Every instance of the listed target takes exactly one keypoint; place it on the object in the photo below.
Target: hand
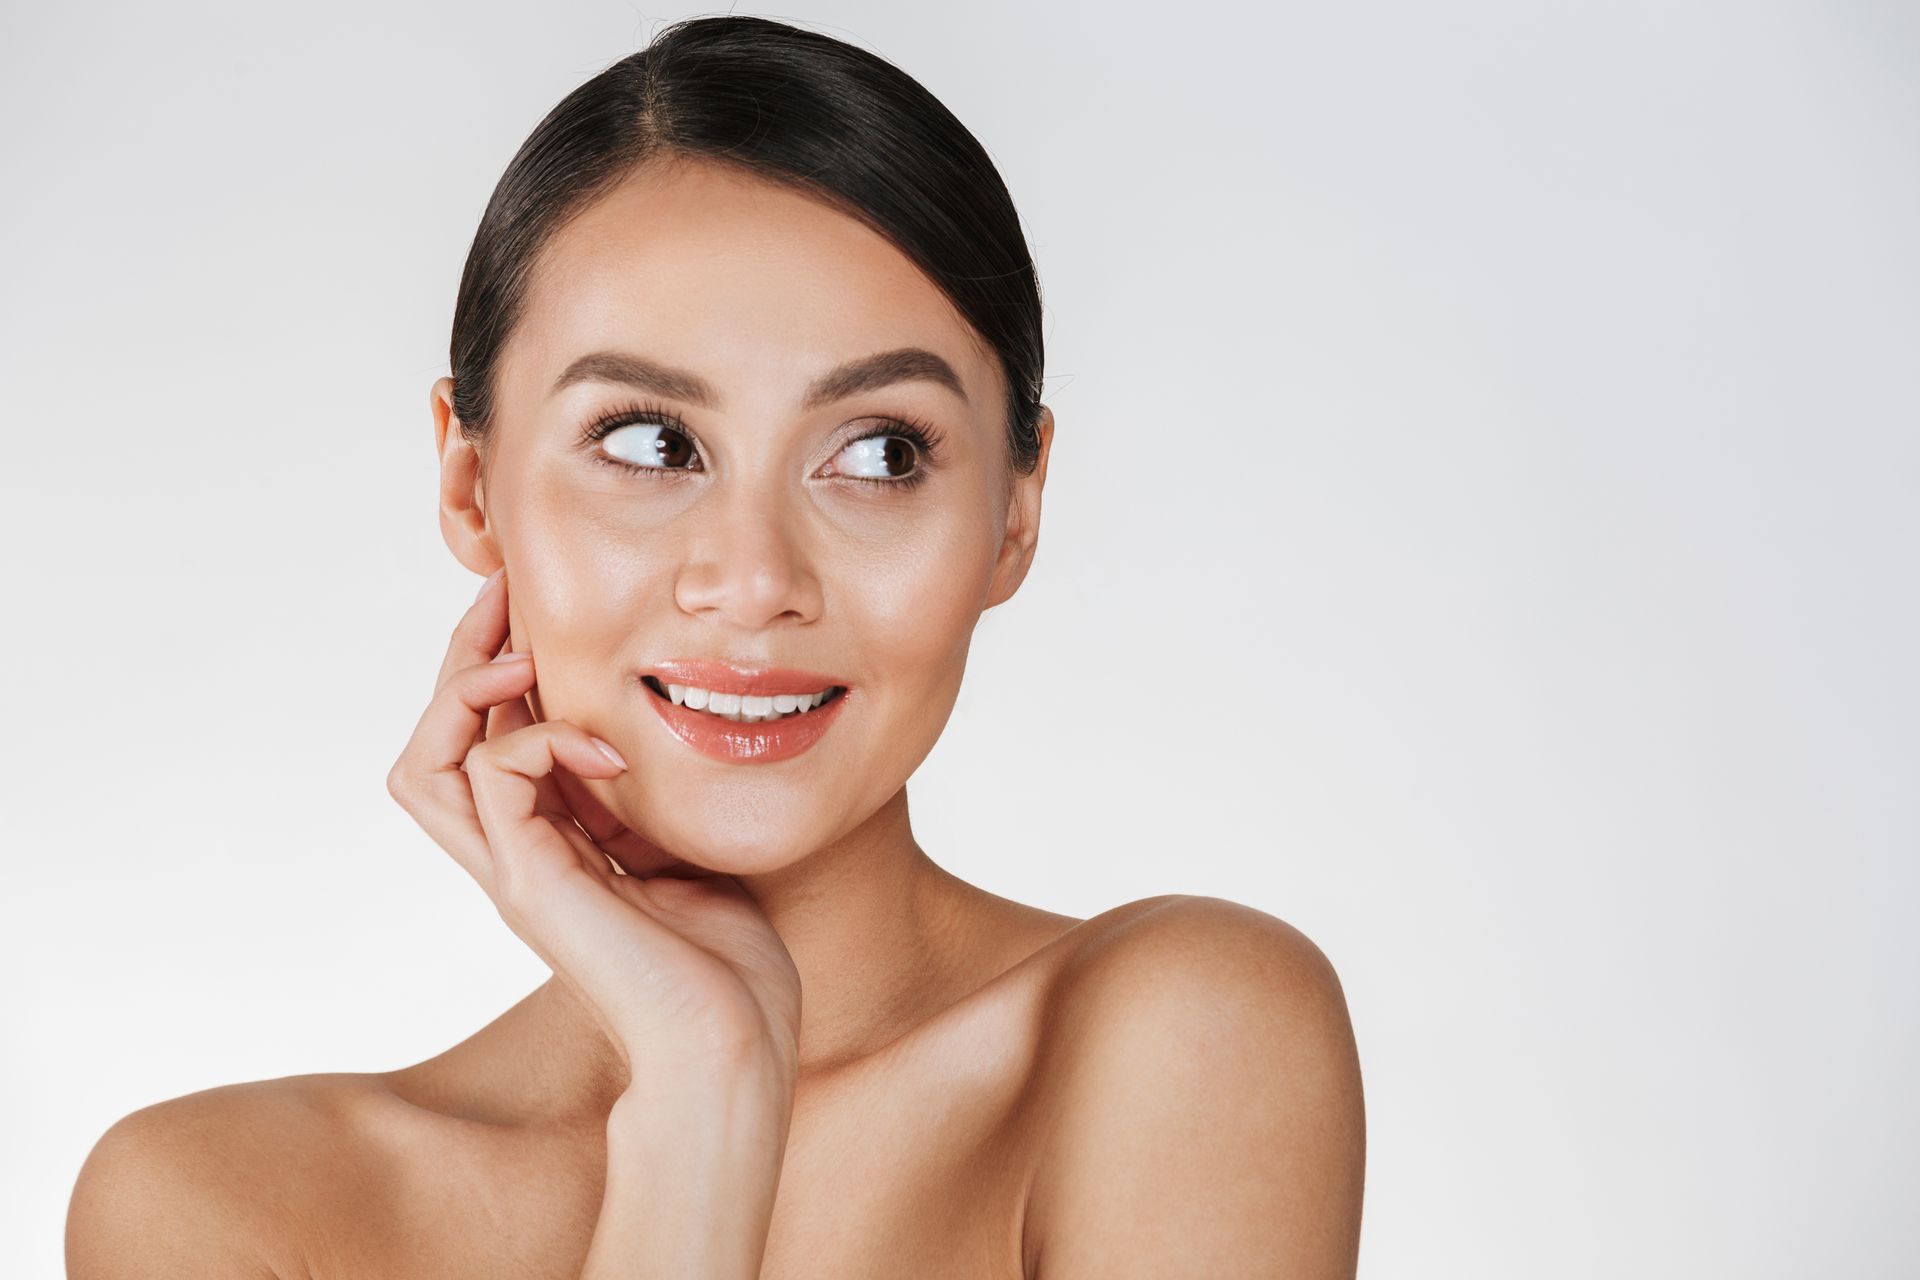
(684, 974)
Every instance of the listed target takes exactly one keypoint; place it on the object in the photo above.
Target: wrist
(691, 1177)
(730, 1116)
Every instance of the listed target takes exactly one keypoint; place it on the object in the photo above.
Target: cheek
(914, 602)
(576, 587)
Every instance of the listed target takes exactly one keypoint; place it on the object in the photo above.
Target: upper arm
(163, 1194)
(1205, 1105)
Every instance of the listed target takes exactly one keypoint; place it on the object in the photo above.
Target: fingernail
(488, 584)
(511, 655)
(608, 751)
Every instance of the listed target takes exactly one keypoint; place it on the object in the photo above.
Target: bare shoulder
(219, 1182)
(1244, 986)
(1201, 1100)
(1197, 934)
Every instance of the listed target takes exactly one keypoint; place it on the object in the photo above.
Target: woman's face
(773, 516)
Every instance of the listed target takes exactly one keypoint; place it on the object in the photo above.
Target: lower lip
(739, 743)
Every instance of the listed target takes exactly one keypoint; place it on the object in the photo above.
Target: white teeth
(745, 708)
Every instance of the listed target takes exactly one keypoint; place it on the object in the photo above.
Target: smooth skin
(793, 1046)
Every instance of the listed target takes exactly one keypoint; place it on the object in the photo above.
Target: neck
(879, 933)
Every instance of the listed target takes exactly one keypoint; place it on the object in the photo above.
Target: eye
(649, 444)
(879, 457)
(898, 458)
(640, 440)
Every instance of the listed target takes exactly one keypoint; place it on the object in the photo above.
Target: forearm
(691, 1177)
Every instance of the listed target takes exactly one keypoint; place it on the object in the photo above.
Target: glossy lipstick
(735, 742)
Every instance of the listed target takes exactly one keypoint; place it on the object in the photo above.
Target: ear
(1023, 521)
(463, 515)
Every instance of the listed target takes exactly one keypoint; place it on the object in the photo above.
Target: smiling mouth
(743, 708)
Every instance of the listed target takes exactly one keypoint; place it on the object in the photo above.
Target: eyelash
(924, 437)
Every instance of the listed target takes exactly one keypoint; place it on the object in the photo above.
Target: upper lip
(724, 677)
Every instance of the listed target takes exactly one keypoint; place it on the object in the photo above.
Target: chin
(736, 848)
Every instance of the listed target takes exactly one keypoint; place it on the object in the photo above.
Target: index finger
(481, 631)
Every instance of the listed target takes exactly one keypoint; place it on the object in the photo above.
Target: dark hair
(792, 106)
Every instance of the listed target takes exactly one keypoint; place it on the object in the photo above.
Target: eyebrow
(868, 373)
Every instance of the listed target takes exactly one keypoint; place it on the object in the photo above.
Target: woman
(744, 425)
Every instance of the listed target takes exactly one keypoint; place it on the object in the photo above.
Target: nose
(748, 565)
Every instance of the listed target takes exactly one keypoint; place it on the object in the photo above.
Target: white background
(1481, 531)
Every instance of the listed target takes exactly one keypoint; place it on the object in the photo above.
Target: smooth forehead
(756, 286)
